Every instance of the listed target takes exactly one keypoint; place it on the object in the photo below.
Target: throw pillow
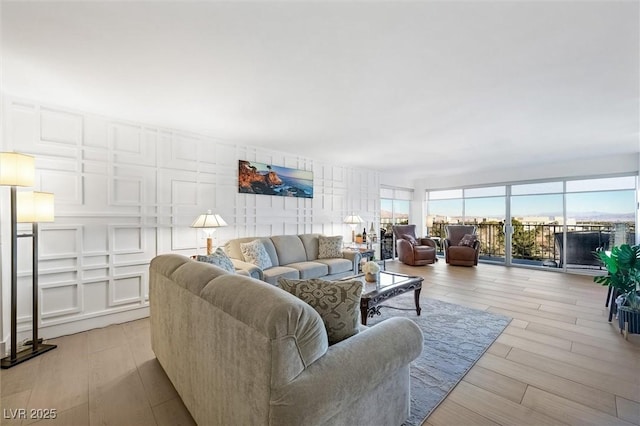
(410, 238)
(218, 258)
(468, 240)
(329, 247)
(254, 252)
(337, 302)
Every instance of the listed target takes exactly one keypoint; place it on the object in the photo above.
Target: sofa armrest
(250, 268)
(338, 378)
(355, 257)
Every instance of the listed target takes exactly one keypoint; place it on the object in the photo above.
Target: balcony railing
(543, 244)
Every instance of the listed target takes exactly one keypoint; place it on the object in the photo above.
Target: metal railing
(542, 244)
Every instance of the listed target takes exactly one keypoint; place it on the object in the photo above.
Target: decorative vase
(370, 278)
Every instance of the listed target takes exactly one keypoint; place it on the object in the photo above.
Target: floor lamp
(18, 170)
(208, 222)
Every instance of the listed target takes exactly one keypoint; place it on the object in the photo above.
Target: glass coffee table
(389, 284)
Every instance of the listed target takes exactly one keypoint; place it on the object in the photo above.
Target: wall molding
(126, 192)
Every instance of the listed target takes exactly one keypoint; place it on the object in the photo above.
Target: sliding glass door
(536, 222)
(559, 224)
(445, 208)
(395, 208)
(482, 207)
(600, 215)
(486, 209)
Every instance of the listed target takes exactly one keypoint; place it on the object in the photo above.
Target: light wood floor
(558, 362)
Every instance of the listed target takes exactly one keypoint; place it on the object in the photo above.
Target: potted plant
(371, 270)
(623, 276)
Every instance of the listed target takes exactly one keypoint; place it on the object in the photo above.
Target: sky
(606, 202)
(284, 171)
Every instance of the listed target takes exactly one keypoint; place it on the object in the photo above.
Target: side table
(369, 254)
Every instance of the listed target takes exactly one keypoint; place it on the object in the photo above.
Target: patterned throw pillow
(254, 252)
(410, 238)
(329, 247)
(218, 258)
(468, 240)
(337, 302)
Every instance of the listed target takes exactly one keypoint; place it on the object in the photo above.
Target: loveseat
(240, 351)
(294, 256)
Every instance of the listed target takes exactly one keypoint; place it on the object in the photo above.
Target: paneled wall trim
(125, 192)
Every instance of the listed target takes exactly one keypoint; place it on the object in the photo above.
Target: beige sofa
(295, 257)
(242, 352)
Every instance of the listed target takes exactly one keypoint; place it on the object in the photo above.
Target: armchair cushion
(461, 246)
(468, 240)
(337, 302)
(410, 238)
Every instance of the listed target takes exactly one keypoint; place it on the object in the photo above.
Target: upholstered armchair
(412, 250)
(461, 247)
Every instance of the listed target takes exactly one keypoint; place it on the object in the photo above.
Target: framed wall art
(267, 179)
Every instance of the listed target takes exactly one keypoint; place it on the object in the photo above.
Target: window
(552, 224)
(395, 209)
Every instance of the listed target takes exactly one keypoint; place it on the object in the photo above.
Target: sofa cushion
(329, 247)
(310, 243)
(289, 249)
(337, 266)
(254, 252)
(337, 302)
(310, 269)
(271, 275)
(218, 258)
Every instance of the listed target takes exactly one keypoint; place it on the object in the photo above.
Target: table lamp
(208, 222)
(353, 220)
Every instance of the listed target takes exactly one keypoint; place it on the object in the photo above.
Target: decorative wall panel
(60, 127)
(126, 191)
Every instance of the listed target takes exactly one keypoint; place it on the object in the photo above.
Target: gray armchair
(461, 254)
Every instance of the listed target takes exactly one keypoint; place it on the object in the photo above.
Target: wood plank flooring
(558, 362)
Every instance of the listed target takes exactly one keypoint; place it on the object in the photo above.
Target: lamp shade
(33, 206)
(208, 220)
(353, 219)
(17, 169)
(430, 221)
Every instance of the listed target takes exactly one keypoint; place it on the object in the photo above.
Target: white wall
(125, 192)
(602, 165)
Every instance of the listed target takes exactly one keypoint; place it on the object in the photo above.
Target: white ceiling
(426, 87)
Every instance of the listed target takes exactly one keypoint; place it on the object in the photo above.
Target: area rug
(455, 337)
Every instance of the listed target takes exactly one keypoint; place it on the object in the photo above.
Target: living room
(138, 113)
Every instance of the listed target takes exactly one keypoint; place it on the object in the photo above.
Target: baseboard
(77, 326)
